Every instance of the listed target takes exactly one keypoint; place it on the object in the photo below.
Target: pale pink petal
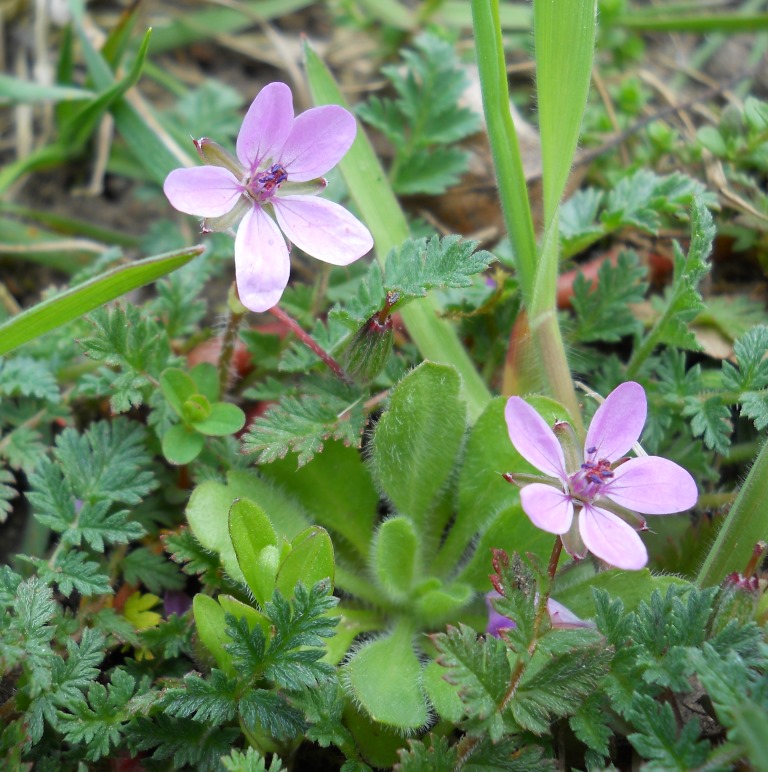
(617, 424)
(261, 261)
(266, 126)
(562, 616)
(547, 507)
(205, 191)
(611, 539)
(652, 485)
(533, 439)
(322, 228)
(318, 140)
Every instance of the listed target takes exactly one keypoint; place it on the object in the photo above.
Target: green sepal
(418, 439)
(396, 557)
(223, 418)
(255, 543)
(181, 444)
(309, 561)
(211, 628)
(385, 678)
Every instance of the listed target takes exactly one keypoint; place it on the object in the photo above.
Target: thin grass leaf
(73, 303)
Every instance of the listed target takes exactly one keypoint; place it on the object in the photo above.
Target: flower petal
(261, 261)
(205, 191)
(317, 142)
(611, 539)
(617, 424)
(533, 439)
(652, 485)
(266, 126)
(547, 507)
(562, 616)
(322, 228)
(496, 622)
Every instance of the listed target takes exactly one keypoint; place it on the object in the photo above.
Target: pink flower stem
(310, 343)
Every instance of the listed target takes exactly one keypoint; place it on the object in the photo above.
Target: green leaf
(250, 761)
(486, 503)
(602, 309)
(212, 701)
(135, 346)
(182, 444)
(443, 695)
(208, 513)
(437, 756)
(424, 117)
(239, 610)
(310, 561)
(251, 532)
(710, 419)
(177, 388)
(745, 525)
(349, 510)
(480, 670)
(396, 557)
(101, 721)
(223, 419)
(19, 91)
(211, 627)
(75, 302)
(660, 739)
(269, 712)
(565, 43)
(186, 742)
(384, 677)
(418, 439)
(143, 567)
(418, 266)
(303, 424)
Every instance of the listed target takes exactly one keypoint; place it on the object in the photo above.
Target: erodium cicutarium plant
(596, 500)
(272, 186)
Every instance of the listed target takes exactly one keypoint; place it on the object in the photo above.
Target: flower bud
(368, 351)
(213, 154)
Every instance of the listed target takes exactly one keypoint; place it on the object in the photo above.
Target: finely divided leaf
(424, 118)
(303, 424)
(481, 671)
(418, 266)
(602, 310)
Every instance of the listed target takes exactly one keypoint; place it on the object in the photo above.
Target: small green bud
(196, 408)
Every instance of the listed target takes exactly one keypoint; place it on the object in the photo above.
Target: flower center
(588, 481)
(264, 185)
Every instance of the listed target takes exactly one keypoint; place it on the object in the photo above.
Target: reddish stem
(310, 343)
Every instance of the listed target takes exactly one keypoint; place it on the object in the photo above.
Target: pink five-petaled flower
(592, 501)
(280, 159)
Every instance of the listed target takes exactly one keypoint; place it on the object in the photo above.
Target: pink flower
(592, 500)
(280, 159)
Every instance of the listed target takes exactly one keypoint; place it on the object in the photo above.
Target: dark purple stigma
(272, 178)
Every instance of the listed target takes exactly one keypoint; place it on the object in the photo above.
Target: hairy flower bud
(368, 351)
